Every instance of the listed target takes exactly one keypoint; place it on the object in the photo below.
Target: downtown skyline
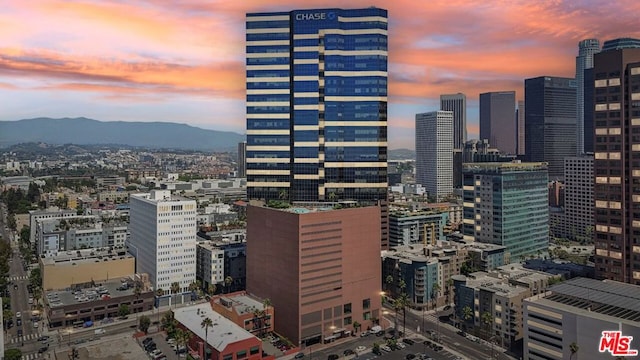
(184, 63)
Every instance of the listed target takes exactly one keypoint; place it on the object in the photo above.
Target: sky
(184, 61)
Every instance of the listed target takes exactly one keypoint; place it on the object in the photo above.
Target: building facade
(321, 266)
(456, 103)
(584, 61)
(242, 159)
(163, 238)
(578, 198)
(250, 313)
(218, 260)
(317, 105)
(521, 128)
(550, 121)
(577, 312)
(497, 120)
(416, 227)
(434, 152)
(507, 204)
(616, 168)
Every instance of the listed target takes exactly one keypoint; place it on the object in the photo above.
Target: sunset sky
(183, 61)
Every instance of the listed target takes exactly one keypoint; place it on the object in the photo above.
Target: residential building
(321, 265)
(617, 172)
(409, 265)
(163, 238)
(80, 232)
(507, 204)
(222, 340)
(487, 257)
(584, 61)
(564, 268)
(97, 301)
(48, 214)
(456, 103)
(250, 313)
(497, 120)
(416, 227)
(521, 128)
(556, 194)
(114, 196)
(579, 312)
(434, 152)
(550, 121)
(242, 159)
(317, 105)
(71, 268)
(217, 260)
(578, 198)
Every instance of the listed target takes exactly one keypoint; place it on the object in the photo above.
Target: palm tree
(211, 289)
(467, 313)
(206, 323)
(404, 301)
(573, 347)
(182, 338)
(175, 288)
(434, 294)
(487, 320)
(397, 306)
(227, 282)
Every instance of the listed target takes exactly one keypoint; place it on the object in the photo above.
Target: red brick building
(245, 311)
(320, 268)
(224, 339)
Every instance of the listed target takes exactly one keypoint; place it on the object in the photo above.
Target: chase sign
(316, 16)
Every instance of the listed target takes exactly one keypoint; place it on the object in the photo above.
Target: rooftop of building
(223, 331)
(241, 302)
(620, 43)
(605, 297)
(159, 196)
(476, 245)
(483, 281)
(91, 222)
(96, 291)
(516, 165)
(73, 257)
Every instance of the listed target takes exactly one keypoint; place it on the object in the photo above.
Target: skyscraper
(521, 128)
(242, 159)
(317, 105)
(163, 238)
(586, 49)
(616, 166)
(507, 204)
(550, 121)
(434, 152)
(497, 120)
(457, 103)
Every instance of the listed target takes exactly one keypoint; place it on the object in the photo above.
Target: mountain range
(83, 131)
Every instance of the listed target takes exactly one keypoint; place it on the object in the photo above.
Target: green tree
(6, 315)
(123, 310)
(227, 283)
(144, 323)
(12, 354)
(182, 337)
(175, 288)
(206, 324)
(356, 326)
(487, 320)
(404, 301)
(211, 289)
(467, 313)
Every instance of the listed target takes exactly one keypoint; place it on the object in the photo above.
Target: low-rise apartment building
(250, 313)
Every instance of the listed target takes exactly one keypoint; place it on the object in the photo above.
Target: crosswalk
(31, 356)
(20, 339)
(17, 278)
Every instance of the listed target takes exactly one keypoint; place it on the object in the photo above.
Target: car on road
(410, 357)
(299, 355)
(385, 348)
(43, 349)
(35, 324)
(361, 348)
(44, 338)
(333, 357)
(18, 322)
(380, 333)
(408, 341)
(365, 333)
(18, 315)
(19, 332)
(15, 286)
(348, 352)
(401, 345)
(376, 351)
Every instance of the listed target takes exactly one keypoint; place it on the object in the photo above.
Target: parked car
(385, 348)
(43, 349)
(299, 355)
(333, 357)
(401, 345)
(410, 357)
(348, 352)
(146, 341)
(376, 351)
(18, 322)
(408, 341)
(361, 348)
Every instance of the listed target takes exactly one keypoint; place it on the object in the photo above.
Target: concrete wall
(63, 275)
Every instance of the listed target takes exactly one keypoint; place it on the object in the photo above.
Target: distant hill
(402, 154)
(83, 131)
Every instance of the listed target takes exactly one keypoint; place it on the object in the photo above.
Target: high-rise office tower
(497, 120)
(586, 49)
(578, 197)
(163, 238)
(434, 152)
(616, 160)
(456, 103)
(550, 121)
(317, 105)
(588, 114)
(507, 204)
(521, 128)
(242, 159)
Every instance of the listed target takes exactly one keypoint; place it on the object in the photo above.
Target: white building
(434, 152)
(210, 264)
(163, 238)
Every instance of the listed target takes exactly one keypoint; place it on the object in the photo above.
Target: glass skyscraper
(317, 105)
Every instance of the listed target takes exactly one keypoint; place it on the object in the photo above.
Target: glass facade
(317, 105)
(507, 204)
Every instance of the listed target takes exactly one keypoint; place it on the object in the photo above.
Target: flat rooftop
(86, 255)
(59, 298)
(242, 303)
(223, 331)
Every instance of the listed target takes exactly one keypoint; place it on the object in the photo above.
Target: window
(254, 350)
(366, 304)
(347, 320)
(241, 354)
(366, 316)
(347, 308)
(228, 357)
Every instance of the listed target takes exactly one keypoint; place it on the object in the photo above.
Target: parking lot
(162, 345)
(416, 348)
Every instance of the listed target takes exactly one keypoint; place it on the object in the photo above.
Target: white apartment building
(163, 238)
(210, 264)
(49, 214)
(434, 152)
